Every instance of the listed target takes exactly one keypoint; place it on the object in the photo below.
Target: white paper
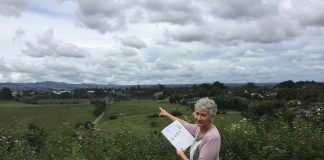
(178, 136)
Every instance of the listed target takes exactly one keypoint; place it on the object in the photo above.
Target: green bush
(176, 113)
(251, 140)
(153, 124)
(113, 116)
(246, 140)
(154, 115)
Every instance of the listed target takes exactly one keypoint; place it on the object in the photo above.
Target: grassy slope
(57, 117)
(135, 114)
(51, 117)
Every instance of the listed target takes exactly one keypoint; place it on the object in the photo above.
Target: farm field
(51, 117)
(135, 116)
(139, 116)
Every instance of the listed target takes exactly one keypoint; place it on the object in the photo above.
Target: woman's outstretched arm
(163, 112)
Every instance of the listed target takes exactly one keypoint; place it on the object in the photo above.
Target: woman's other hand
(181, 154)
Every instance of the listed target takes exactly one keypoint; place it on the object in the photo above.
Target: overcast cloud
(171, 41)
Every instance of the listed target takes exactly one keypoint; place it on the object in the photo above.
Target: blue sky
(171, 41)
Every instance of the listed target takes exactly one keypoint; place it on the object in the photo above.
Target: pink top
(210, 144)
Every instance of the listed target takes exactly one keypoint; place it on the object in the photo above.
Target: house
(269, 93)
(90, 92)
(294, 102)
(317, 106)
(256, 95)
(16, 93)
(60, 92)
(304, 113)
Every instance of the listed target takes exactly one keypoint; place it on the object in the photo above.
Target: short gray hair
(207, 104)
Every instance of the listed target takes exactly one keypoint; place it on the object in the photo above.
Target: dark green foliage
(309, 94)
(246, 141)
(267, 109)
(113, 116)
(221, 111)
(174, 98)
(176, 113)
(288, 116)
(242, 140)
(249, 86)
(36, 137)
(99, 107)
(153, 124)
(226, 102)
(5, 94)
(88, 125)
(154, 115)
(286, 94)
(320, 97)
(286, 84)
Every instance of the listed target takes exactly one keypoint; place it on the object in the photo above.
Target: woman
(207, 139)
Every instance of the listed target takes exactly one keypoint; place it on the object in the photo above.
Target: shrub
(113, 116)
(153, 124)
(154, 115)
(176, 113)
(36, 137)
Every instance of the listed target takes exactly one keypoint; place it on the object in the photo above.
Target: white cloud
(19, 33)
(47, 45)
(102, 15)
(172, 41)
(258, 53)
(13, 7)
(132, 41)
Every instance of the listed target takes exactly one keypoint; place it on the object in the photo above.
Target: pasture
(51, 117)
(138, 116)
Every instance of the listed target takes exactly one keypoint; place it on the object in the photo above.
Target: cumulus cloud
(308, 13)
(18, 34)
(132, 41)
(172, 41)
(3, 66)
(102, 15)
(233, 32)
(243, 9)
(190, 34)
(258, 53)
(47, 45)
(122, 52)
(175, 12)
(13, 7)
(166, 65)
(28, 67)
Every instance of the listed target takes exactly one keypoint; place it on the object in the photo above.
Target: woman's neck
(205, 129)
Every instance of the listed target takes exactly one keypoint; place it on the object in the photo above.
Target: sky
(166, 42)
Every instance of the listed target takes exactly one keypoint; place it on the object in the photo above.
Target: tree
(160, 87)
(6, 94)
(286, 93)
(100, 107)
(320, 97)
(286, 84)
(265, 109)
(174, 98)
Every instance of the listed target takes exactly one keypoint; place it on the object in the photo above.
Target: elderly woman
(207, 139)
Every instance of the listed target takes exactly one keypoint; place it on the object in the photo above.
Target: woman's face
(202, 118)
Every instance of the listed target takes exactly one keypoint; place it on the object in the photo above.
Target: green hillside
(50, 117)
(135, 115)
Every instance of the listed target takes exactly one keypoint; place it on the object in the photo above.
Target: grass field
(52, 117)
(131, 114)
(134, 115)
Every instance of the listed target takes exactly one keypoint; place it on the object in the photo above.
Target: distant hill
(49, 85)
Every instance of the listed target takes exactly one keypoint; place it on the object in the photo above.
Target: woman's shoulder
(213, 134)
